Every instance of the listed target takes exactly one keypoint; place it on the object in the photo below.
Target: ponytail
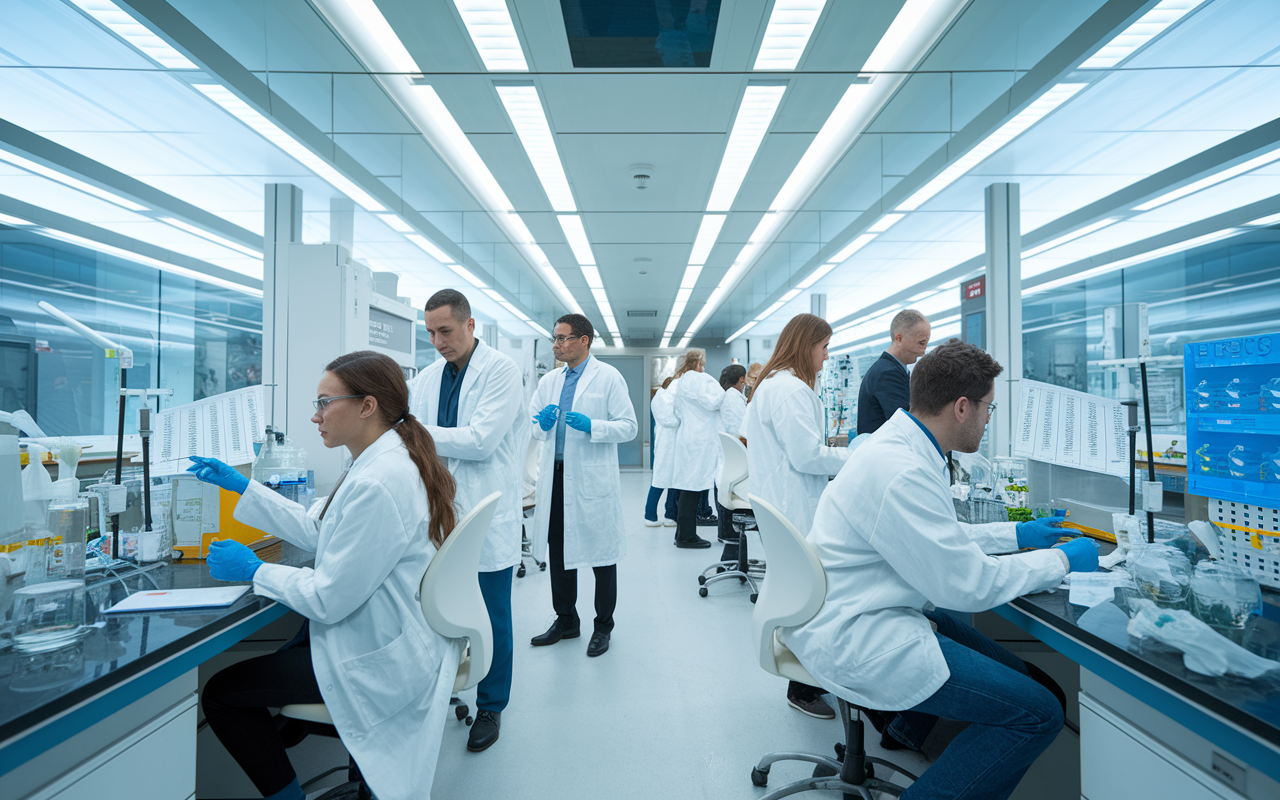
(367, 373)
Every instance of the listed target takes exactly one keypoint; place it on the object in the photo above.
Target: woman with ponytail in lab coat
(697, 442)
(383, 673)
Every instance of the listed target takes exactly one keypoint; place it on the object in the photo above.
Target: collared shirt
(451, 392)
(571, 377)
(895, 358)
(928, 433)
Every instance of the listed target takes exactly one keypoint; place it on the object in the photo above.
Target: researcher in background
(698, 398)
(788, 461)
(887, 385)
(662, 426)
(383, 673)
(733, 380)
(887, 535)
(584, 412)
(472, 403)
(753, 378)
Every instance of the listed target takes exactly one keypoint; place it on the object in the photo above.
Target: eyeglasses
(563, 339)
(991, 410)
(322, 403)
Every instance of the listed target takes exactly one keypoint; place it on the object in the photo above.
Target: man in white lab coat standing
(471, 402)
(583, 412)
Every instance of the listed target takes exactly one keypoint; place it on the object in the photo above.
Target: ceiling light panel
(817, 275)
(741, 331)
(5, 219)
(468, 276)
(67, 180)
(116, 20)
(790, 27)
(755, 114)
(691, 274)
(1210, 180)
(212, 237)
(524, 107)
(708, 232)
(430, 248)
(1149, 26)
(396, 223)
(489, 24)
(592, 274)
(885, 223)
(576, 235)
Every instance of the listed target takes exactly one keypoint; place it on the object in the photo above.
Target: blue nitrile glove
(211, 470)
(546, 418)
(1041, 533)
(1082, 553)
(579, 422)
(229, 560)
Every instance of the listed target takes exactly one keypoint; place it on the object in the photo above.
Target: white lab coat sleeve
(621, 425)
(495, 412)
(663, 408)
(538, 403)
(270, 512)
(705, 393)
(354, 564)
(994, 537)
(802, 440)
(929, 549)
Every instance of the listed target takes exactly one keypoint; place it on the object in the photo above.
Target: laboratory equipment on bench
(282, 468)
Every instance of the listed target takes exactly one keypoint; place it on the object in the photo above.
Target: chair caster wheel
(462, 712)
(543, 566)
(760, 777)
(741, 581)
(520, 571)
(702, 579)
(702, 592)
(754, 596)
(468, 720)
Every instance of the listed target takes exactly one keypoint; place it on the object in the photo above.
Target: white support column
(342, 222)
(282, 227)
(489, 332)
(818, 305)
(1004, 306)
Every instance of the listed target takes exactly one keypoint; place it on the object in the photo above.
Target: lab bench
(1149, 727)
(115, 714)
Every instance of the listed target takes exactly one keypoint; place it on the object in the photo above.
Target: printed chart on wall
(223, 427)
(1072, 429)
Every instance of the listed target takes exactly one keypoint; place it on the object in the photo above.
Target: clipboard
(170, 599)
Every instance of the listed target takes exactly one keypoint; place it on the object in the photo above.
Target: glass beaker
(47, 614)
(1224, 596)
(1163, 574)
(67, 521)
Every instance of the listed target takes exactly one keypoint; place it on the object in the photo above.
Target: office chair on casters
(452, 605)
(794, 590)
(731, 492)
(530, 489)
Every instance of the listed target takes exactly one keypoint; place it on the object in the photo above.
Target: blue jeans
(494, 690)
(1014, 719)
(651, 504)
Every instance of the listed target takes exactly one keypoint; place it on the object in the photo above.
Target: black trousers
(237, 703)
(687, 516)
(564, 582)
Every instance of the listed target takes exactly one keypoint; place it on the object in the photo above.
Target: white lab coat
(697, 442)
(887, 535)
(384, 674)
(485, 453)
(732, 410)
(663, 409)
(594, 533)
(788, 460)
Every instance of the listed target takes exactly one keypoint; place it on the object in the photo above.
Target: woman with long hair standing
(697, 442)
(662, 425)
(788, 460)
(383, 673)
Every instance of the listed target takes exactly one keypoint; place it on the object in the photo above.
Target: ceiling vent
(643, 313)
(642, 336)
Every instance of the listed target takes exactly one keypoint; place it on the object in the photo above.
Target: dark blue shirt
(450, 393)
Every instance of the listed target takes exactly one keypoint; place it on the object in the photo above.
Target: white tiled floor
(677, 707)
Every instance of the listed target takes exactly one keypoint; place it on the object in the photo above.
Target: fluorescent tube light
(114, 19)
(1263, 222)
(576, 235)
(509, 306)
(539, 329)
(396, 223)
(859, 242)
(17, 222)
(683, 295)
(600, 297)
(138, 258)
(1149, 26)
(1210, 180)
(468, 276)
(67, 180)
(759, 103)
(885, 223)
(790, 295)
(592, 274)
(769, 311)
(666, 342)
(685, 341)
(493, 34)
(791, 24)
(1072, 236)
(425, 245)
(276, 135)
(817, 275)
(1038, 110)
(708, 232)
(495, 295)
(691, 274)
(741, 331)
(524, 107)
(213, 237)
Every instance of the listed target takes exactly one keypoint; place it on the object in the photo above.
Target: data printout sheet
(224, 427)
(1072, 429)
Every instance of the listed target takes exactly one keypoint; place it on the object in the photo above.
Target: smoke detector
(641, 174)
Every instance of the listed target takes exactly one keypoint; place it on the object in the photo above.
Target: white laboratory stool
(529, 488)
(452, 605)
(794, 590)
(731, 492)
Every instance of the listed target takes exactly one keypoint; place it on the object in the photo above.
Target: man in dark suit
(887, 387)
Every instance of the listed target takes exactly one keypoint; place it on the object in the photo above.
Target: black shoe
(815, 707)
(558, 630)
(708, 520)
(484, 731)
(599, 643)
(696, 543)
